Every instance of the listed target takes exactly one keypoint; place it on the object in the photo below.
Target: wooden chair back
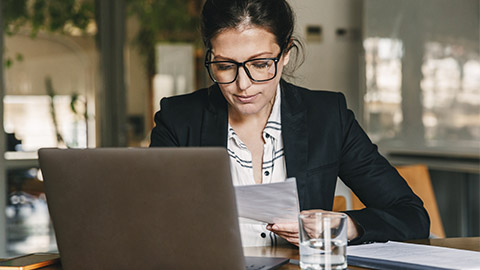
(339, 204)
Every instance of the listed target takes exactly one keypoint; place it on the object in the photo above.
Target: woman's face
(246, 97)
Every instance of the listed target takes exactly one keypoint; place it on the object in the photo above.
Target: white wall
(335, 62)
(70, 62)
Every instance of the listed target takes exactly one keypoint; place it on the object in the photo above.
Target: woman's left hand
(289, 231)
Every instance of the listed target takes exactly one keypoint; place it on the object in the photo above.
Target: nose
(243, 81)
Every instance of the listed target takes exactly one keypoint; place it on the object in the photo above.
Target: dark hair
(276, 16)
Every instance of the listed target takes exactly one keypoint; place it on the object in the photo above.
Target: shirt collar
(233, 136)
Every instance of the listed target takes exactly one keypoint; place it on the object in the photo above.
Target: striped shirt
(274, 169)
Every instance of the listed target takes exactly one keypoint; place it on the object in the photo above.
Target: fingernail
(275, 227)
(269, 227)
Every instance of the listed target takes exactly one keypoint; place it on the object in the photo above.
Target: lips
(246, 99)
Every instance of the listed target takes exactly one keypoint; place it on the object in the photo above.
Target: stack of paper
(396, 255)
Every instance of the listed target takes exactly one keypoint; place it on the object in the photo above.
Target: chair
(339, 204)
(418, 179)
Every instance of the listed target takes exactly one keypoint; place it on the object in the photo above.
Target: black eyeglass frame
(207, 64)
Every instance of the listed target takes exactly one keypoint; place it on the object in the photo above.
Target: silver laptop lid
(148, 208)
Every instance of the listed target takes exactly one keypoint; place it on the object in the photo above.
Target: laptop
(145, 208)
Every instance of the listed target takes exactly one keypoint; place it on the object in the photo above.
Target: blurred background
(91, 73)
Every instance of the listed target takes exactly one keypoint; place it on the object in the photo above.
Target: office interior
(410, 71)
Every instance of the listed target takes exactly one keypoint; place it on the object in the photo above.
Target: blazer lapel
(215, 119)
(295, 135)
(294, 129)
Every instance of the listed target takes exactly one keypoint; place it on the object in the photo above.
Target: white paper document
(269, 203)
(396, 255)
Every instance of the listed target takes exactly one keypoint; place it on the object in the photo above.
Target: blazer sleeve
(163, 134)
(393, 211)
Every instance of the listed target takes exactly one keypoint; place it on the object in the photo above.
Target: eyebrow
(222, 58)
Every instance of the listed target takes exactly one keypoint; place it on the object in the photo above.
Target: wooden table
(467, 243)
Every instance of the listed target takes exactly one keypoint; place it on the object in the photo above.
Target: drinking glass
(323, 240)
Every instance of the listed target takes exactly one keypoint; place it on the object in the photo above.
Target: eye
(224, 66)
(261, 64)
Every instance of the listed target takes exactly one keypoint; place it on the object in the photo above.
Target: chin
(247, 109)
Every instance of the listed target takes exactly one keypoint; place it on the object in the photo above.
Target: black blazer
(322, 140)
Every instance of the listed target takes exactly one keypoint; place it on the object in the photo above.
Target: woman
(274, 130)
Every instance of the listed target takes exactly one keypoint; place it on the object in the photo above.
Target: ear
(286, 57)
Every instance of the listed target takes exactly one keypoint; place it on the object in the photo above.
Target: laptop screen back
(150, 208)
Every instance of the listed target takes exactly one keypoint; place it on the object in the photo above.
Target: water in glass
(316, 254)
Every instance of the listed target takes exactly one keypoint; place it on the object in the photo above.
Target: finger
(313, 211)
(286, 234)
(293, 240)
(310, 221)
(283, 227)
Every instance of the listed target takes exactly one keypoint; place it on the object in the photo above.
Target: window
(423, 76)
(451, 93)
(383, 99)
(48, 100)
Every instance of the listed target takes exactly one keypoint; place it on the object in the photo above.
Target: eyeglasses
(258, 69)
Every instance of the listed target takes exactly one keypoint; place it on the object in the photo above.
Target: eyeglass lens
(256, 69)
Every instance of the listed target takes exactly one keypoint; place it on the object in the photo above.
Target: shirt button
(263, 235)
(267, 173)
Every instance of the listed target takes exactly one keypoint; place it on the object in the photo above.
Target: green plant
(53, 114)
(159, 21)
(55, 16)
(59, 16)
(164, 21)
